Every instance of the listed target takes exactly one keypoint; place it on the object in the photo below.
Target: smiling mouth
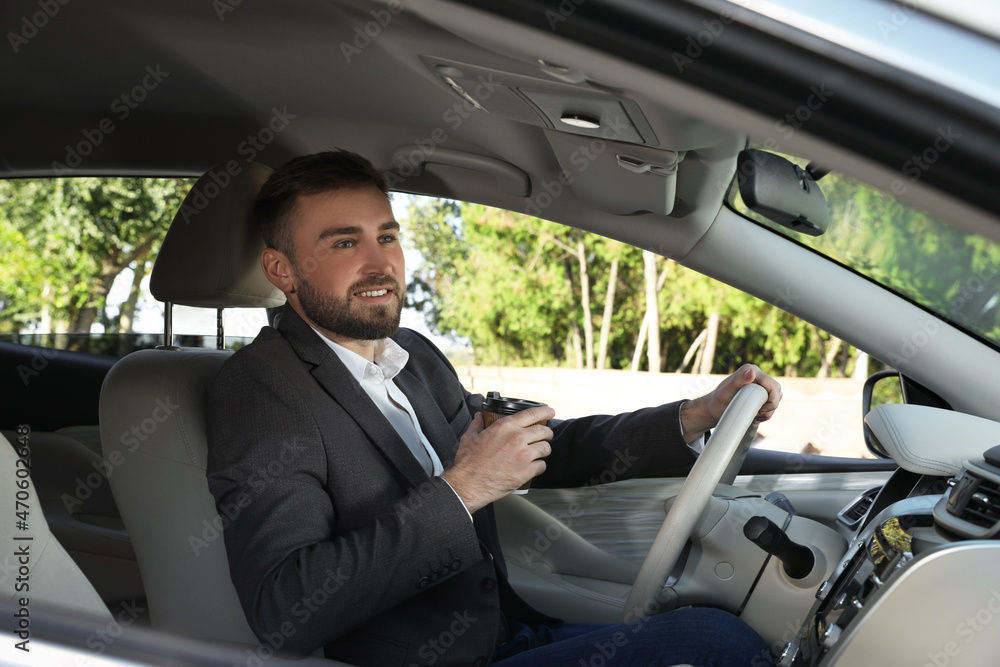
(374, 292)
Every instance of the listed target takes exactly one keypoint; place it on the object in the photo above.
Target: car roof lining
(224, 90)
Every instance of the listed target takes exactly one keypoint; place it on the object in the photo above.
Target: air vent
(976, 500)
(852, 515)
(971, 507)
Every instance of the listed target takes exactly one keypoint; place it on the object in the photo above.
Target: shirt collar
(390, 358)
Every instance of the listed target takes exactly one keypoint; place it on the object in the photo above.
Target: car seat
(153, 406)
(52, 580)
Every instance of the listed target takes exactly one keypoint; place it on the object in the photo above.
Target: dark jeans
(697, 636)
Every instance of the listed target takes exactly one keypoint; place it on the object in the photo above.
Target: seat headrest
(210, 257)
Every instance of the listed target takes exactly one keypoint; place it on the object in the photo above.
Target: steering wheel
(722, 452)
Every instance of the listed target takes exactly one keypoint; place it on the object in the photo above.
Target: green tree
(483, 264)
(66, 240)
(525, 291)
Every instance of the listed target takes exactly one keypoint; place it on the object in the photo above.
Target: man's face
(348, 264)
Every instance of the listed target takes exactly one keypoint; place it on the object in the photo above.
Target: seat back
(153, 409)
(71, 483)
(51, 579)
(153, 422)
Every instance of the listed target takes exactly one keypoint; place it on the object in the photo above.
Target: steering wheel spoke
(723, 451)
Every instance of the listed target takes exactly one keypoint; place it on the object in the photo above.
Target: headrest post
(168, 327)
(220, 332)
(168, 324)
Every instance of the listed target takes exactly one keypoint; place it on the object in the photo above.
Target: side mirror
(880, 388)
(781, 191)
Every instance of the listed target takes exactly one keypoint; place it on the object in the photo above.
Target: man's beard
(330, 312)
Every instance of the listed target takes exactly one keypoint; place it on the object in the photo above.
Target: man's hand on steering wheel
(702, 414)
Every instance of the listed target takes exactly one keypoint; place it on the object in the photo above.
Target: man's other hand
(703, 413)
(493, 462)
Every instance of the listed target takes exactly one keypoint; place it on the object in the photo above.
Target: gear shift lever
(798, 560)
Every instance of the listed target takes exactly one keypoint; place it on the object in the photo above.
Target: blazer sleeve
(608, 448)
(267, 470)
(590, 450)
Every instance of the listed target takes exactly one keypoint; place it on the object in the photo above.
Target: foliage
(510, 284)
(480, 274)
(934, 263)
(64, 242)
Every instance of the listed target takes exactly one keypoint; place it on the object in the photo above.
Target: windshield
(950, 272)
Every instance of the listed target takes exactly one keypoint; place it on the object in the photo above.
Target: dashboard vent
(852, 515)
(976, 500)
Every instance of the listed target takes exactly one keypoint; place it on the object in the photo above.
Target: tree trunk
(861, 366)
(85, 318)
(829, 354)
(127, 314)
(87, 315)
(588, 319)
(644, 329)
(652, 312)
(577, 348)
(126, 317)
(45, 323)
(712, 335)
(573, 324)
(696, 368)
(609, 309)
(695, 347)
(640, 343)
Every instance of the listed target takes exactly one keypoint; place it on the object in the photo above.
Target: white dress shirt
(377, 381)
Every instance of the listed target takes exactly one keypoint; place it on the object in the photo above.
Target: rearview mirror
(782, 192)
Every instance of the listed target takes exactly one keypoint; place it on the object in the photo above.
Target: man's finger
(532, 416)
(476, 426)
(542, 449)
(538, 433)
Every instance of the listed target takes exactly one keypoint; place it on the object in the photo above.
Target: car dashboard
(923, 550)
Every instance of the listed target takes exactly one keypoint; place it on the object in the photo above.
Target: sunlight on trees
(65, 241)
(528, 292)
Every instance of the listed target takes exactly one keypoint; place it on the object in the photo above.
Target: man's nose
(377, 260)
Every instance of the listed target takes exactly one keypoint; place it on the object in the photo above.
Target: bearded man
(365, 476)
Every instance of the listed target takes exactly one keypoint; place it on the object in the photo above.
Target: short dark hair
(306, 175)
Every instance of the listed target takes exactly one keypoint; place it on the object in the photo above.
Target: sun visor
(616, 177)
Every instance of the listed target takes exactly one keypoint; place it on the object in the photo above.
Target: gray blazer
(336, 536)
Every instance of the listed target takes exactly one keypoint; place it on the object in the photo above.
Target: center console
(920, 584)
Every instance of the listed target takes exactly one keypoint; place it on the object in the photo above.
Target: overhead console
(608, 152)
(578, 110)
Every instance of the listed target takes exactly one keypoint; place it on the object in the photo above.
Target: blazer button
(480, 662)
(435, 576)
(422, 582)
(455, 565)
(489, 585)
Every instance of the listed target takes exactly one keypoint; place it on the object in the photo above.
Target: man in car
(365, 478)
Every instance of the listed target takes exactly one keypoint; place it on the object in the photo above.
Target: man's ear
(278, 269)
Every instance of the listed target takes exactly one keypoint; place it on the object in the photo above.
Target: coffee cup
(496, 406)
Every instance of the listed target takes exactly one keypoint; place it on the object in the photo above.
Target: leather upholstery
(210, 257)
(55, 581)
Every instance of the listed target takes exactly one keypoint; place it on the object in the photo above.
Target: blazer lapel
(333, 377)
(432, 421)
